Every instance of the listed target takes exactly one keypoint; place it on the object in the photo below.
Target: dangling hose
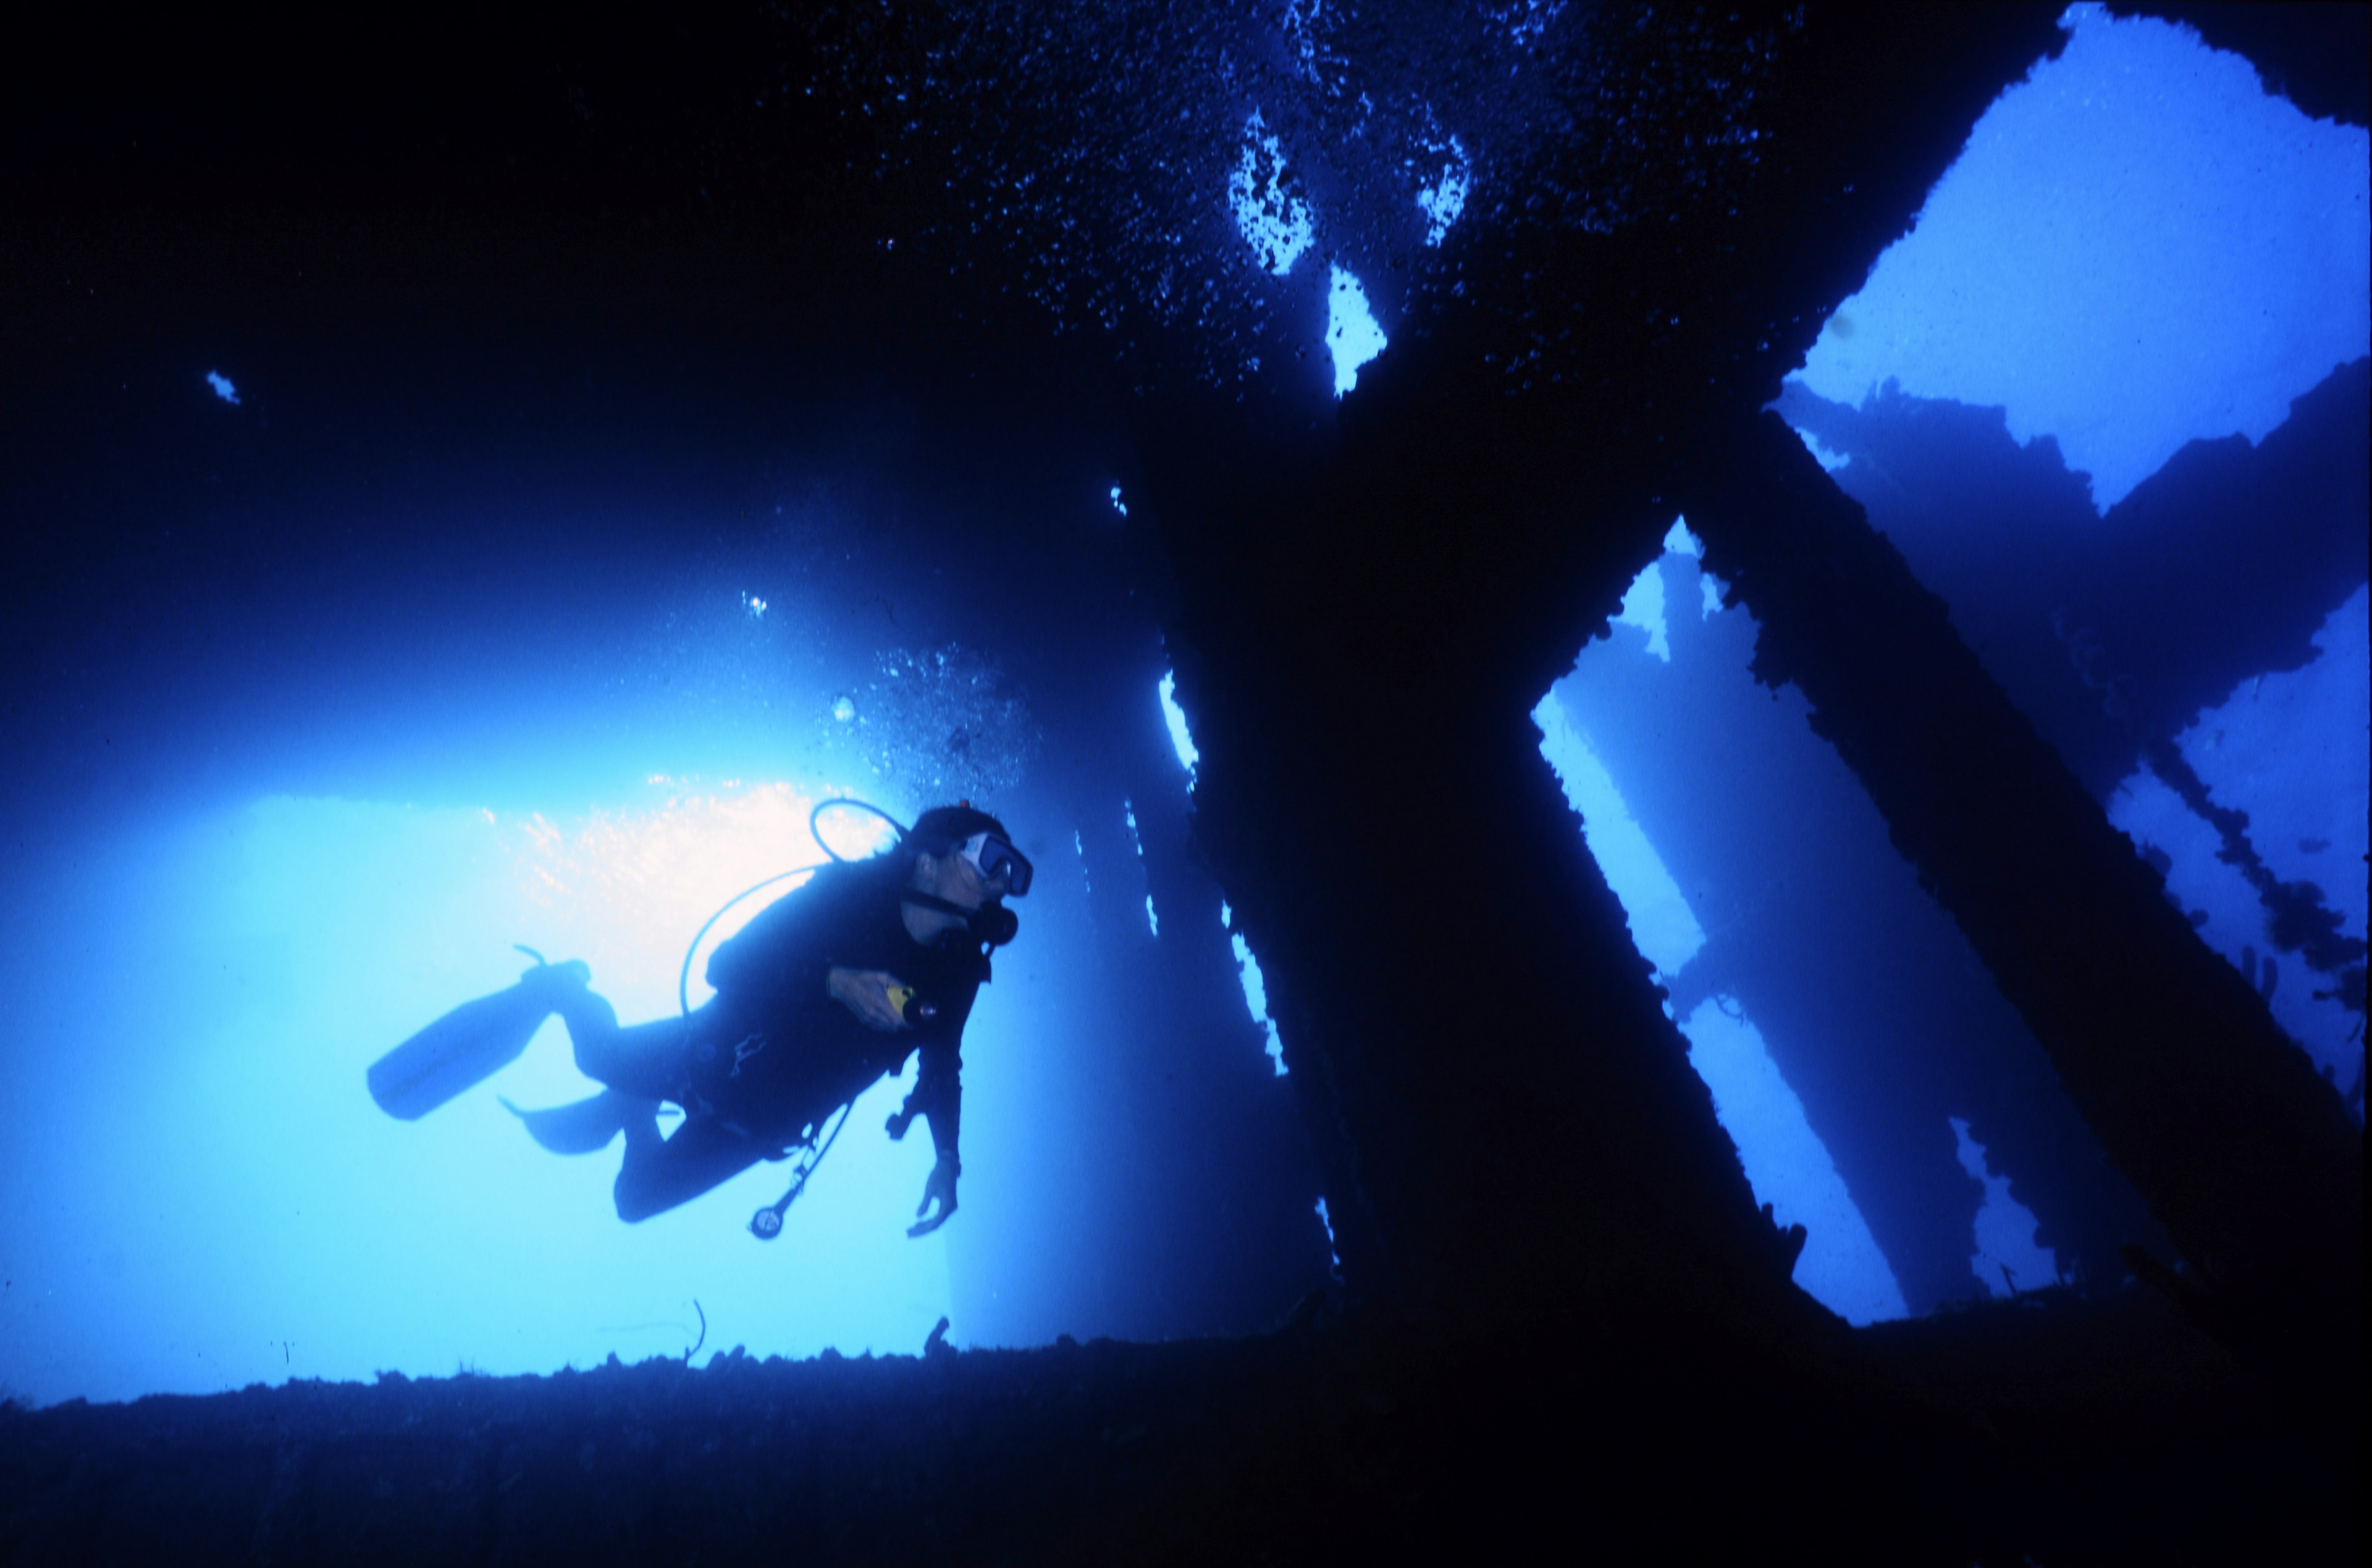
(767, 1223)
(683, 978)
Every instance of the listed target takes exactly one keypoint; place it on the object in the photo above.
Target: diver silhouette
(827, 989)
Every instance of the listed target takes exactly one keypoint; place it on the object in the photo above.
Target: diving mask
(990, 854)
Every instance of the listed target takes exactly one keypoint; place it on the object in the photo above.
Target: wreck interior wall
(1565, 481)
(1187, 1200)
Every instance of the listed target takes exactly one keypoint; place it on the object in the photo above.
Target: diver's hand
(866, 993)
(941, 1186)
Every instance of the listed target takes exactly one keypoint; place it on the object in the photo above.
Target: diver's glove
(941, 1186)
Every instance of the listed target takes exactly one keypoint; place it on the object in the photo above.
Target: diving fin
(587, 1126)
(469, 1045)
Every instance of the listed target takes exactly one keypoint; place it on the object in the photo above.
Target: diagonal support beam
(2246, 1156)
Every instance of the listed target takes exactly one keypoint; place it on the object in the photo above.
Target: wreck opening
(2107, 398)
(2119, 196)
(1848, 1035)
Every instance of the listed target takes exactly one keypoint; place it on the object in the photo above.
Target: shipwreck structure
(1557, 1321)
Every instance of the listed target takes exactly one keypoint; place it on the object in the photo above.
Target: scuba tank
(991, 924)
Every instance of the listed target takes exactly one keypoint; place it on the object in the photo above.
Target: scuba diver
(827, 989)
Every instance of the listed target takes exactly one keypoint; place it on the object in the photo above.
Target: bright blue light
(222, 387)
(1662, 926)
(1528, 22)
(1247, 971)
(1787, 1164)
(1334, 1257)
(1275, 222)
(1352, 335)
(2290, 748)
(2138, 247)
(1152, 921)
(2005, 1258)
(1678, 540)
(1789, 1168)
(1832, 461)
(306, 937)
(1643, 606)
(1446, 198)
(1117, 504)
(1179, 738)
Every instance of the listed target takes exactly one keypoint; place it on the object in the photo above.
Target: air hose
(683, 978)
(767, 1223)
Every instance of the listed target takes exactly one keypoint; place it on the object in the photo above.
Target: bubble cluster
(939, 724)
(1092, 160)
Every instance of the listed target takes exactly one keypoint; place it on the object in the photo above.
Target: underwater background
(357, 635)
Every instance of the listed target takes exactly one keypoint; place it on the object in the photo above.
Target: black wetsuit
(773, 1055)
(783, 1053)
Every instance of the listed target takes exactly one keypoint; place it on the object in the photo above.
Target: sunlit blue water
(213, 1200)
(2138, 247)
(218, 1202)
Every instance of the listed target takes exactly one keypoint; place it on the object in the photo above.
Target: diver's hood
(991, 922)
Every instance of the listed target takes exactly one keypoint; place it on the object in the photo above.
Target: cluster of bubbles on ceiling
(1191, 181)
(936, 725)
